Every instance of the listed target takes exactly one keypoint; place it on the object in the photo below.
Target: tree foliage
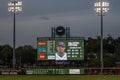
(26, 55)
(6, 55)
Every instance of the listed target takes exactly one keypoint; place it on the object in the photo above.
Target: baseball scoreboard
(46, 48)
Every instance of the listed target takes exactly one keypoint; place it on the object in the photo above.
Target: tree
(93, 60)
(109, 45)
(6, 55)
(92, 45)
(117, 49)
(25, 55)
(109, 60)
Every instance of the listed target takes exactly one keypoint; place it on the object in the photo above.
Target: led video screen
(60, 48)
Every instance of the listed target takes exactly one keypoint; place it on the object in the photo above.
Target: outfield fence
(61, 71)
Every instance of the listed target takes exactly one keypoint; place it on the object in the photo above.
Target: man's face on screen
(60, 49)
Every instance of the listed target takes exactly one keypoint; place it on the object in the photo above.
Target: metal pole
(102, 64)
(14, 7)
(14, 60)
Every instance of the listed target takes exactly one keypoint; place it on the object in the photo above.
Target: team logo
(42, 56)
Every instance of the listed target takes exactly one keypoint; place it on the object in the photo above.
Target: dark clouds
(40, 7)
(38, 16)
(44, 18)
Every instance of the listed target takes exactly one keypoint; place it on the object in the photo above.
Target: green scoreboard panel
(46, 48)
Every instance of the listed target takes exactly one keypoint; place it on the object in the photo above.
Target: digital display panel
(60, 49)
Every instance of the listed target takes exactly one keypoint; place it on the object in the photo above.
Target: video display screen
(60, 49)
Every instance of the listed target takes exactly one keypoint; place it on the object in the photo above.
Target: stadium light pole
(101, 8)
(14, 7)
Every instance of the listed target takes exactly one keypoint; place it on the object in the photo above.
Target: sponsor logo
(42, 50)
(51, 57)
(74, 71)
(42, 43)
(42, 56)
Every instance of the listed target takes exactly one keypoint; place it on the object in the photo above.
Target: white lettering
(73, 43)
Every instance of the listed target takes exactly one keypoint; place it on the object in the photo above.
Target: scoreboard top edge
(51, 38)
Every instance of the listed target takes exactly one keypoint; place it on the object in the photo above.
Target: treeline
(26, 55)
(111, 51)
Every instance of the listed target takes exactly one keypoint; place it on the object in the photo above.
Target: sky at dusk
(38, 16)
